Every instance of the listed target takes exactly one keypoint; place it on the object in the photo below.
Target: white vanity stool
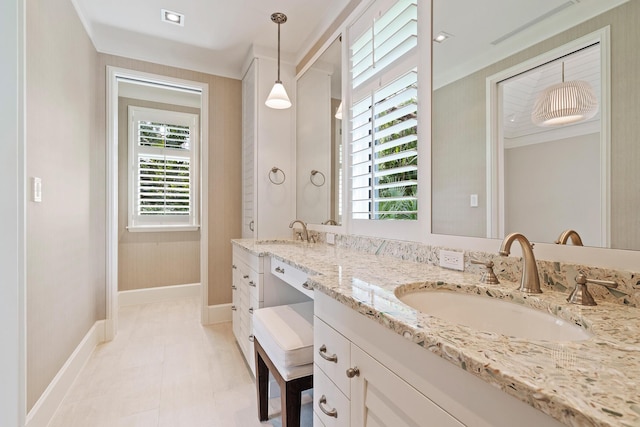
(283, 343)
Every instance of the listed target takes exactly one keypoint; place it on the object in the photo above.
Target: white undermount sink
(494, 315)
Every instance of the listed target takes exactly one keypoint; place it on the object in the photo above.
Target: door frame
(114, 74)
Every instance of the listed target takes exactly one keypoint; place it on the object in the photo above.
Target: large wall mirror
(494, 169)
(319, 139)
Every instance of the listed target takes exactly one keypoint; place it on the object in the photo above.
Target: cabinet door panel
(381, 398)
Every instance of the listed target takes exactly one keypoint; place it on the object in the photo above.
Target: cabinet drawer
(316, 421)
(329, 404)
(253, 261)
(291, 275)
(332, 354)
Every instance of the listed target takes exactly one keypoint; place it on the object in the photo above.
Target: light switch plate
(331, 239)
(37, 189)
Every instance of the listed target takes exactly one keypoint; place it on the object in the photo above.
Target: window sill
(161, 228)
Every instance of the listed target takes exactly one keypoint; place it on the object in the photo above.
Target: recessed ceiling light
(441, 37)
(172, 17)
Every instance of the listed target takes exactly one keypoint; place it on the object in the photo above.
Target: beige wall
(66, 128)
(65, 232)
(459, 133)
(225, 132)
(148, 260)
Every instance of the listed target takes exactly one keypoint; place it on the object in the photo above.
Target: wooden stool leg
(290, 399)
(262, 385)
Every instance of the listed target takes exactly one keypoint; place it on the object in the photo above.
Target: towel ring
(314, 173)
(274, 171)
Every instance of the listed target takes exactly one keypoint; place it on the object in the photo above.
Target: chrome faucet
(305, 234)
(564, 238)
(530, 282)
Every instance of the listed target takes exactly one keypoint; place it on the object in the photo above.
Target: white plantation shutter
(384, 139)
(163, 164)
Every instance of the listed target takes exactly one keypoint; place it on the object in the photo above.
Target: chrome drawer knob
(353, 372)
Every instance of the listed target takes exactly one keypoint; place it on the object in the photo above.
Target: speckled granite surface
(587, 383)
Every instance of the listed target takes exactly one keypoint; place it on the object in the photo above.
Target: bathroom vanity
(378, 357)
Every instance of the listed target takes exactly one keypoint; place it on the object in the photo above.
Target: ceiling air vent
(534, 21)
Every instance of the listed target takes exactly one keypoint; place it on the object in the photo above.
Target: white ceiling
(491, 30)
(217, 34)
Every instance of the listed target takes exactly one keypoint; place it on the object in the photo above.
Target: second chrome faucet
(530, 282)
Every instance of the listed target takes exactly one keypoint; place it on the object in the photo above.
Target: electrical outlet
(451, 259)
(331, 239)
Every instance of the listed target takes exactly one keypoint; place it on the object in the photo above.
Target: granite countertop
(595, 382)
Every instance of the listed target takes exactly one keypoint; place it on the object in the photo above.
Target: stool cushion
(285, 332)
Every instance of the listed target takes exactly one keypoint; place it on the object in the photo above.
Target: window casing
(384, 132)
(163, 170)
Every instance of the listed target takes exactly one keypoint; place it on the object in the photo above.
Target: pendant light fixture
(565, 103)
(278, 97)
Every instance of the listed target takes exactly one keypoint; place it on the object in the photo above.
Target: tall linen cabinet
(268, 152)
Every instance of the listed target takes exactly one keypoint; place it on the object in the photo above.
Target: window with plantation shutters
(163, 147)
(384, 126)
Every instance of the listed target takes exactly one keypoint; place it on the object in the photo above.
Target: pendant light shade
(278, 97)
(565, 103)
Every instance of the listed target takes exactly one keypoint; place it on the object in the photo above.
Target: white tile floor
(165, 369)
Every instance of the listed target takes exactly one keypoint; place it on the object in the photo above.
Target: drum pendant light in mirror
(278, 97)
(565, 103)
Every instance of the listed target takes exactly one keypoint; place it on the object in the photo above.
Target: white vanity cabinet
(351, 388)
(388, 380)
(247, 292)
(254, 287)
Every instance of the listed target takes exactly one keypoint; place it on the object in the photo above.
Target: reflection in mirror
(319, 140)
(562, 160)
(464, 185)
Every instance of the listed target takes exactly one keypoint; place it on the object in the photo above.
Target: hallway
(164, 369)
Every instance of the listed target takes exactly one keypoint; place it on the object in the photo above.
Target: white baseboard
(48, 403)
(219, 313)
(150, 295)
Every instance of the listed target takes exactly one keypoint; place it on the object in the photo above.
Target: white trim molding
(46, 406)
(219, 313)
(161, 293)
(114, 76)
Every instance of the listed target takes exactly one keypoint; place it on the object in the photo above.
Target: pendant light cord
(278, 81)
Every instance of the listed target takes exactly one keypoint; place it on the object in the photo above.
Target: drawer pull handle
(251, 310)
(307, 286)
(252, 283)
(245, 276)
(233, 287)
(323, 353)
(280, 270)
(233, 308)
(251, 337)
(353, 372)
(331, 412)
(233, 266)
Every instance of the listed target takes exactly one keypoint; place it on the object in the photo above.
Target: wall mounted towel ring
(313, 174)
(274, 173)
